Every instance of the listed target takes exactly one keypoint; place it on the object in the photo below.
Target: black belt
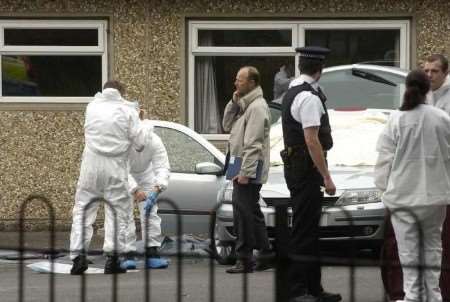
(300, 149)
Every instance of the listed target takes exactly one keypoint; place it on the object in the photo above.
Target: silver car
(360, 99)
(196, 177)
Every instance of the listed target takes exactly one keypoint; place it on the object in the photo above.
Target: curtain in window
(207, 117)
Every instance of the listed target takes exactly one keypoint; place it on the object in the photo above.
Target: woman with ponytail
(413, 172)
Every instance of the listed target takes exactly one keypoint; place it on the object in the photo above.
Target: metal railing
(283, 256)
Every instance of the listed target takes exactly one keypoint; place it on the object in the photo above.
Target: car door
(194, 194)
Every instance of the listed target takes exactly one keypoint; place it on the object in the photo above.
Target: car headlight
(352, 197)
(227, 195)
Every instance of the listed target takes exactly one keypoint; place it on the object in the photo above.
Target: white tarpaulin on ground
(355, 134)
(63, 268)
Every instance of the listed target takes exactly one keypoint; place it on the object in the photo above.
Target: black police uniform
(304, 181)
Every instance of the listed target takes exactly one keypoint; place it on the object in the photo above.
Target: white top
(150, 167)
(307, 108)
(440, 97)
(413, 165)
(111, 127)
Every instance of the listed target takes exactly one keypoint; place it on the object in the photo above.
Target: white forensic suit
(148, 169)
(440, 97)
(111, 130)
(413, 171)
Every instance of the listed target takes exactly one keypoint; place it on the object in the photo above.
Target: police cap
(313, 52)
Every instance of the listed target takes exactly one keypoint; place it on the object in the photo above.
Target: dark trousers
(249, 224)
(304, 183)
(391, 272)
(305, 274)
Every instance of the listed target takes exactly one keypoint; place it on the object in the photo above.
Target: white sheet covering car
(360, 99)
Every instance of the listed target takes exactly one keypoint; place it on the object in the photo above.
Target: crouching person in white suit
(149, 171)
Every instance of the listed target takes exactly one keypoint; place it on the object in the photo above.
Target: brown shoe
(240, 268)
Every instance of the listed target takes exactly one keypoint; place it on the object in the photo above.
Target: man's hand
(156, 189)
(242, 180)
(141, 114)
(236, 96)
(139, 196)
(330, 188)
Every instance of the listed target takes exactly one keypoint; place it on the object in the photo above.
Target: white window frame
(100, 49)
(298, 28)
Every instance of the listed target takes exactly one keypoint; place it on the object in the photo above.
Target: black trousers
(249, 224)
(304, 183)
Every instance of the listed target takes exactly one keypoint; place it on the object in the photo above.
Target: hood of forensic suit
(148, 127)
(109, 94)
(351, 160)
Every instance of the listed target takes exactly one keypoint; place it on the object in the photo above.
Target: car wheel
(224, 251)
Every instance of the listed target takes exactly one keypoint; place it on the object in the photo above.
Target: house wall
(41, 144)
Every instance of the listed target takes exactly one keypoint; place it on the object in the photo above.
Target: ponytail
(417, 87)
(412, 98)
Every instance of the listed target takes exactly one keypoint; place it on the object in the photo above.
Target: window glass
(251, 38)
(375, 46)
(362, 88)
(225, 46)
(214, 84)
(51, 75)
(183, 151)
(50, 37)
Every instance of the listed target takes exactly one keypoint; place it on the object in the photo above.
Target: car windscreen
(362, 88)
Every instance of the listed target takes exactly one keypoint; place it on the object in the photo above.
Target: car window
(345, 89)
(183, 151)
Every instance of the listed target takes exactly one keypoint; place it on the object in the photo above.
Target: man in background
(247, 118)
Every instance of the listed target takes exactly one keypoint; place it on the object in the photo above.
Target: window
(52, 60)
(183, 151)
(217, 49)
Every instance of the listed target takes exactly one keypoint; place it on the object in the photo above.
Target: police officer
(307, 137)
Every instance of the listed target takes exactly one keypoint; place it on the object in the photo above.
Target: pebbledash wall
(41, 143)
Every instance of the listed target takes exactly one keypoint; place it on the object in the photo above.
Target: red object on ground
(353, 108)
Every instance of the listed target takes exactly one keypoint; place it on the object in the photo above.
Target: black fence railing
(282, 260)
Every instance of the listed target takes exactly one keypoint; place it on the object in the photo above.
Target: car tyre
(223, 251)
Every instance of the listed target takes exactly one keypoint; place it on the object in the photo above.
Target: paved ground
(195, 281)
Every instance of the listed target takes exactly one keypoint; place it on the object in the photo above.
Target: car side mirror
(208, 168)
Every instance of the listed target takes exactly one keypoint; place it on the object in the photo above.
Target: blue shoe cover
(128, 264)
(157, 263)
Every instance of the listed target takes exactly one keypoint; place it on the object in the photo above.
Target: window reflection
(374, 46)
(51, 37)
(214, 84)
(183, 151)
(73, 76)
(252, 38)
